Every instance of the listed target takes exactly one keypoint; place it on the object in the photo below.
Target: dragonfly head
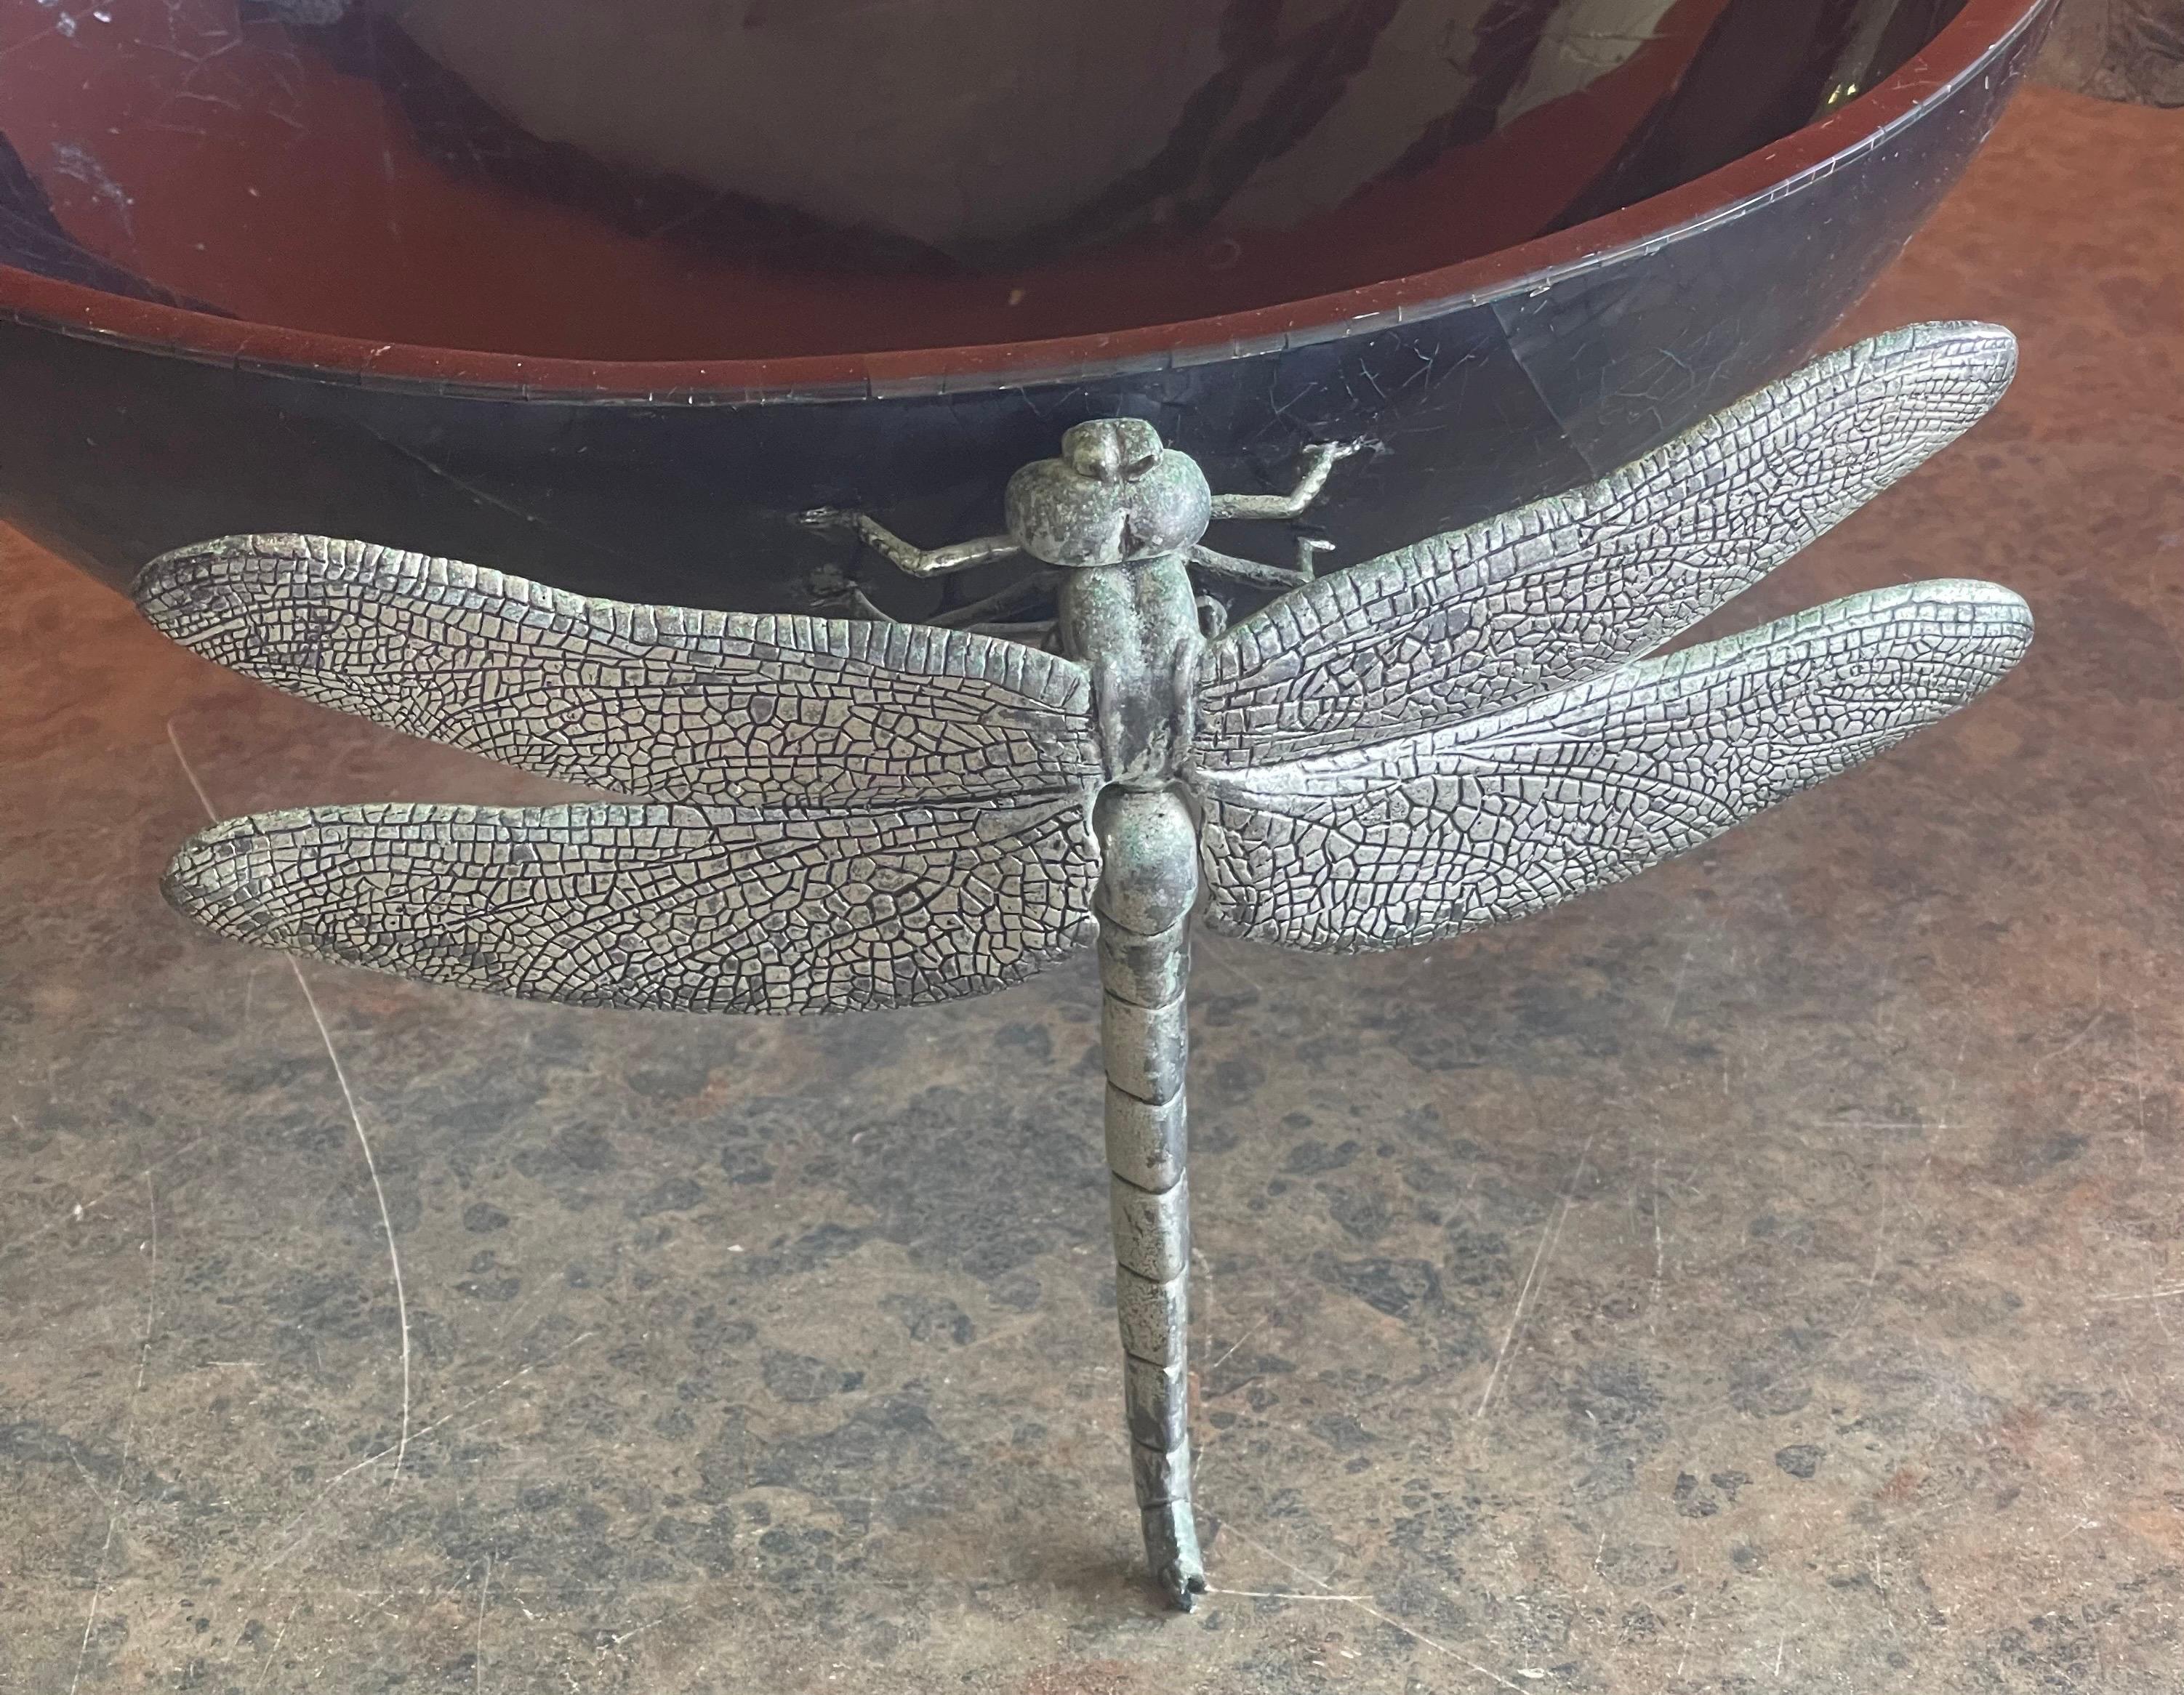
(1115, 495)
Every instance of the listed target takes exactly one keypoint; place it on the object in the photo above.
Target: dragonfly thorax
(1115, 496)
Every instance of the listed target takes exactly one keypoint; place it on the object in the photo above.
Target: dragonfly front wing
(665, 702)
(1568, 587)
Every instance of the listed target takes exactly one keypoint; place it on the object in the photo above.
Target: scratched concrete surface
(1762, 1276)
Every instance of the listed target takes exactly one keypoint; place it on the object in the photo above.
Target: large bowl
(520, 295)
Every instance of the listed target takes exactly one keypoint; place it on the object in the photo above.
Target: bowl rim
(1966, 47)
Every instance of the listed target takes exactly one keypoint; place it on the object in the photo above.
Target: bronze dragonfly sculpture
(842, 814)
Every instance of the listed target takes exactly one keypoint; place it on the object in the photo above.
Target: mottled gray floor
(1762, 1276)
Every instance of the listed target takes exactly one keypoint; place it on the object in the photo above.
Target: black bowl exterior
(114, 450)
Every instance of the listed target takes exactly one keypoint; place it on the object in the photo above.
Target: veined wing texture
(1428, 835)
(1566, 588)
(658, 702)
(670, 908)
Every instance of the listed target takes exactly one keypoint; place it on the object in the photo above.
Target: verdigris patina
(841, 814)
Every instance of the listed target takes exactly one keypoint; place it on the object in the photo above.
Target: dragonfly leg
(1012, 598)
(1148, 883)
(830, 586)
(904, 556)
(1041, 635)
(1260, 575)
(1319, 460)
(862, 605)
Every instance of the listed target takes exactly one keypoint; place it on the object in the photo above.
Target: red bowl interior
(341, 183)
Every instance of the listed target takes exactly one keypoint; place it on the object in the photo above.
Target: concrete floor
(1765, 1276)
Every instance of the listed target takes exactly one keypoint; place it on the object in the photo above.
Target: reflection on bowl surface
(742, 178)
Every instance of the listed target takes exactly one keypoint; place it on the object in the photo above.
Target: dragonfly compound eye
(1111, 449)
(1115, 495)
